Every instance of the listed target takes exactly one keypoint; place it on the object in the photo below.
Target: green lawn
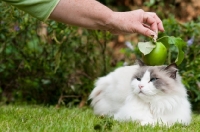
(51, 119)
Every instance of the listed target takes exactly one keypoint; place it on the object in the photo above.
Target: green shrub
(48, 62)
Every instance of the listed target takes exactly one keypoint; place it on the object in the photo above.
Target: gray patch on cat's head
(166, 76)
(140, 72)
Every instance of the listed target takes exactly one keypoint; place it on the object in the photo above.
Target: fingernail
(156, 31)
(153, 33)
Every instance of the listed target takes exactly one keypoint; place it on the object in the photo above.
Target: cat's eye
(139, 79)
(153, 79)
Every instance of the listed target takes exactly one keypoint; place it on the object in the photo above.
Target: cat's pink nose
(140, 86)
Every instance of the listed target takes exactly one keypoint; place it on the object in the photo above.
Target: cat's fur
(147, 94)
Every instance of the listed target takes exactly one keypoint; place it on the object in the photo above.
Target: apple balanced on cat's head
(155, 52)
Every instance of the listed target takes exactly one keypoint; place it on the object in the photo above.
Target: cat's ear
(140, 63)
(172, 70)
(173, 65)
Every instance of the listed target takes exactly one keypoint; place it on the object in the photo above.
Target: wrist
(106, 21)
(113, 23)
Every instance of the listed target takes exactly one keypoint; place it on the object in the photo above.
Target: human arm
(93, 15)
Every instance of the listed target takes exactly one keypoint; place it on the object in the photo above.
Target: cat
(149, 95)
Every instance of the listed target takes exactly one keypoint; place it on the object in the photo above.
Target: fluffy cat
(146, 94)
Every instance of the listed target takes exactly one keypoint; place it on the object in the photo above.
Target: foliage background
(53, 63)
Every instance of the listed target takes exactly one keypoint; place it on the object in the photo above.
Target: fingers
(145, 30)
(137, 21)
(154, 22)
(158, 21)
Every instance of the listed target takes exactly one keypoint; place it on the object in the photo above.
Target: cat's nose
(140, 86)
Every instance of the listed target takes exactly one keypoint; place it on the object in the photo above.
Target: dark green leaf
(180, 44)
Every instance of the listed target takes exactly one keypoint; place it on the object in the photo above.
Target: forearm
(85, 13)
(94, 15)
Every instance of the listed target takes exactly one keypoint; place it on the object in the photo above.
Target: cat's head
(151, 81)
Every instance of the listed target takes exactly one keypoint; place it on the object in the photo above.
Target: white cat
(146, 94)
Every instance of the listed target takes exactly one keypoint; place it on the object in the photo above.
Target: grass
(51, 119)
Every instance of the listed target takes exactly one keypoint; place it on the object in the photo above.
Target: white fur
(118, 95)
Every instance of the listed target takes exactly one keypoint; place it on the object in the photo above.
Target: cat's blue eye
(153, 79)
(139, 79)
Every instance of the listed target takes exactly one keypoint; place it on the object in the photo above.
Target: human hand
(137, 21)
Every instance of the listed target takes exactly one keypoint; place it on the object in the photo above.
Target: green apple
(157, 56)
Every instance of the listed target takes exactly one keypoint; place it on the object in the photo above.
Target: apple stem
(155, 36)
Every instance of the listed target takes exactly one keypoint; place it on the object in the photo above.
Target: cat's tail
(99, 102)
(97, 92)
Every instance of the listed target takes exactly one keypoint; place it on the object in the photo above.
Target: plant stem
(163, 37)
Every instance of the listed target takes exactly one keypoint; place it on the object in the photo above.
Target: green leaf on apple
(146, 47)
